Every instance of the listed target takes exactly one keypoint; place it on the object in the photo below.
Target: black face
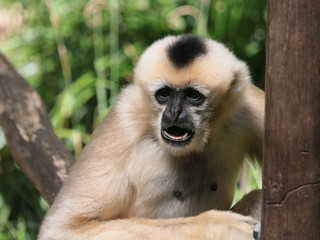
(176, 124)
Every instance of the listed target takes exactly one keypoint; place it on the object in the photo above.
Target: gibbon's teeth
(176, 137)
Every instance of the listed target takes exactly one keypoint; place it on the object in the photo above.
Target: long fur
(129, 184)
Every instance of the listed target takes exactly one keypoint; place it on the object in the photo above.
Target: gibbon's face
(186, 79)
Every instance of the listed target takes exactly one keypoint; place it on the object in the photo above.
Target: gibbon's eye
(194, 96)
(163, 94)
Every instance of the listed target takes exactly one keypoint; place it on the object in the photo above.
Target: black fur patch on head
(183, 51)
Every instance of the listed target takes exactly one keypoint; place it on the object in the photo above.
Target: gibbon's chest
(167, 187)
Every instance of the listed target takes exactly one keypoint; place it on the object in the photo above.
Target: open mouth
(176, 134)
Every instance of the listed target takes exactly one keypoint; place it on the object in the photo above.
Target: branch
(29, 133)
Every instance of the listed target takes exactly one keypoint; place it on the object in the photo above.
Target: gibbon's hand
(228, 225)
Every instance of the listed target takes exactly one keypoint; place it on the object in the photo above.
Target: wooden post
(291, 179)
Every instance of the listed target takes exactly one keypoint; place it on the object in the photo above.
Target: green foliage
(21, 208)
(77, 54)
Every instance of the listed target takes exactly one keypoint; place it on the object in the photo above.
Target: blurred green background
(78, 53)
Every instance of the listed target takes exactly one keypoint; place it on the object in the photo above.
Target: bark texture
(291, 208)
(29, 133)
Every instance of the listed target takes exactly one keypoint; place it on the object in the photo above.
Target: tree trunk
(29, 134)
(291, 181)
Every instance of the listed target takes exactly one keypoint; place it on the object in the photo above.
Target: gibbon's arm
(97, 200)
(99, 210)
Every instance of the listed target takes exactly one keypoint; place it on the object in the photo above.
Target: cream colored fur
(122, 186)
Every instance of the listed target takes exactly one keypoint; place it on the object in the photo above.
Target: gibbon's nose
(175, 112)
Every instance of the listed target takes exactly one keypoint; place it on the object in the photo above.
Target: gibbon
(165, 161)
